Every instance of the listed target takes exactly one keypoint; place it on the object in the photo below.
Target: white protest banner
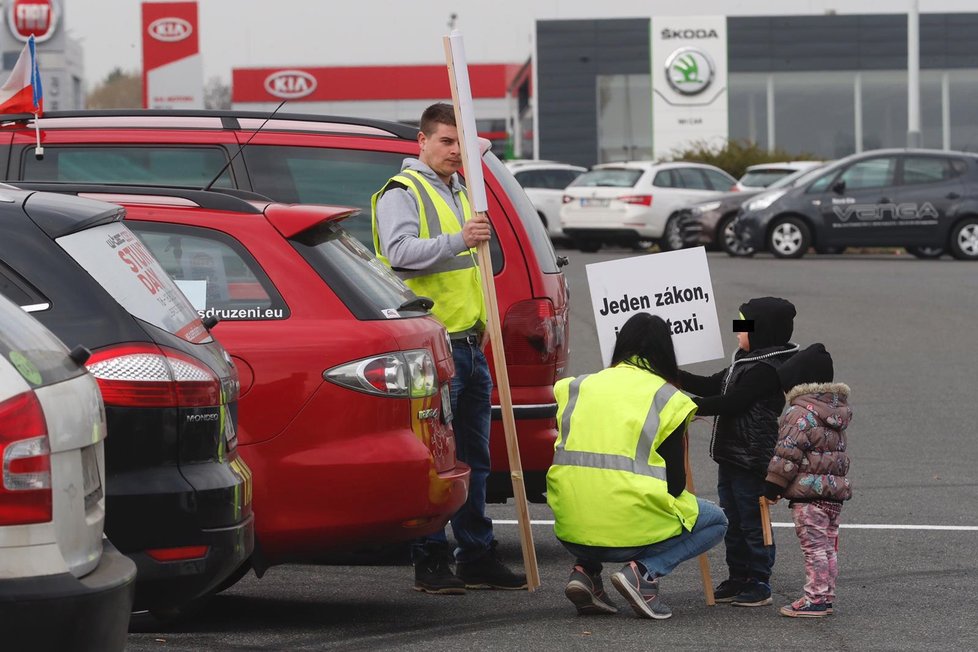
(674, 285)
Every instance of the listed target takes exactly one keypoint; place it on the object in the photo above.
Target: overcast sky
(259, 33)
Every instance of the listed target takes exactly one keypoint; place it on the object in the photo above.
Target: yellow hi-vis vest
(607, 485)
(453, 284)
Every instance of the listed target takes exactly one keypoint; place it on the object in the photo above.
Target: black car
(924, 200)
(710, 223)
(178, 498)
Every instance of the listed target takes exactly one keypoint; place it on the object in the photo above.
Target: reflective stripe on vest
(640, 464)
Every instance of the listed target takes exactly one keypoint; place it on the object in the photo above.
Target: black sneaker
(729, 589)
(433, 572)
(755, 594)
(487, 572)
(586, 591)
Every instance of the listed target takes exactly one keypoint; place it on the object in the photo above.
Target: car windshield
(608, 178)
(762, 178)
(798, 178)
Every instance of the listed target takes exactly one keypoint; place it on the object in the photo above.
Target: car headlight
(764, 200)
(699, 209)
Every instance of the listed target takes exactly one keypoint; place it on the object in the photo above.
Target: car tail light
(533, 333)
(146, 375)
(641, 200)
(25, 495)
(566, 199)
(401, 374)
(183, 553)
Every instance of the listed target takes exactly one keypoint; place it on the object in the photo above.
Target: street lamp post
(913, 75)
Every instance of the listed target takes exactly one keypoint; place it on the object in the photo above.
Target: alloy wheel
(786, 238)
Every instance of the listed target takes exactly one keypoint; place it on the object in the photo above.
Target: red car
(315, 159)
(344, 412)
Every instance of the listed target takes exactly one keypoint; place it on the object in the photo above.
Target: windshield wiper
(417, 303)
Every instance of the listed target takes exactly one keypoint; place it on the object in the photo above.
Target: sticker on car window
(390, 313)
(195, 291)
(25, 367)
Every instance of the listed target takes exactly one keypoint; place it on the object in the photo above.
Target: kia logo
(290, 84)
(37, 17)
(170, 29)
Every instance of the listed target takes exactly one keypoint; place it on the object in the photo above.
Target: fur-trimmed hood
(817, 388)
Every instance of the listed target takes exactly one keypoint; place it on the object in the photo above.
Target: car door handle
(953, 195)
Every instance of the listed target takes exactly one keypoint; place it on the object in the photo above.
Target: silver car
(62, 585)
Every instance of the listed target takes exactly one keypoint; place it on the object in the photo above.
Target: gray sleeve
(397, 228)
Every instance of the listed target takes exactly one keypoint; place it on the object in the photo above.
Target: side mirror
(839, 187)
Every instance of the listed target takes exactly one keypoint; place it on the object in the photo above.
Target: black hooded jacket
(746, 397)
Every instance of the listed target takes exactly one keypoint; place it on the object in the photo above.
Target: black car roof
(57, 215)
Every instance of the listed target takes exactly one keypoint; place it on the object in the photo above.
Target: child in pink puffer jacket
(809, 468)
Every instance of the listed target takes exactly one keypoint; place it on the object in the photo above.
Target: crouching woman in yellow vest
(617, 486)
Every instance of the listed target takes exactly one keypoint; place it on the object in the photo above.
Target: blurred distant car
(762, 175)
(544, 183)
(709, 223)
(923, 200)
(178, 495)
(634, 203)
(63, 586)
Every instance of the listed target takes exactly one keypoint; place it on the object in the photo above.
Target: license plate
(446, 403)
(91, 480)
(592, 202)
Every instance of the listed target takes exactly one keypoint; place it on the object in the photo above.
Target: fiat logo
(290, 84)
(170, 29)
(37, 17)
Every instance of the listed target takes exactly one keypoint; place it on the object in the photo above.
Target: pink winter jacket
(810, 460)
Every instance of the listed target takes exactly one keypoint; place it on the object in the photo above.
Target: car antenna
(243, 145)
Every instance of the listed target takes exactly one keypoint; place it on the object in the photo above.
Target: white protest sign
(674, 285)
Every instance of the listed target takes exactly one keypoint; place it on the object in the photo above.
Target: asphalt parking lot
(902, 335)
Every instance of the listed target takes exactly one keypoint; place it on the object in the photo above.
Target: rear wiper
(417, 303)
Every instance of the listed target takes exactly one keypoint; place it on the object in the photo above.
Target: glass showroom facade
(822, 85)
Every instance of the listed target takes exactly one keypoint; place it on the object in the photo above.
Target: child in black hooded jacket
(746, 399)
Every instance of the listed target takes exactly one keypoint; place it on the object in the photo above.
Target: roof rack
(229, 119)
(221, 199)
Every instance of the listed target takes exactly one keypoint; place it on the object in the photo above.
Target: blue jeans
(747, 556)
(662, 557)
(472, 413)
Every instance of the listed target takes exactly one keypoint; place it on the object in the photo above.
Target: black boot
(433, 572)
(487, 572)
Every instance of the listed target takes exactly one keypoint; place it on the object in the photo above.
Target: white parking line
(844, 526)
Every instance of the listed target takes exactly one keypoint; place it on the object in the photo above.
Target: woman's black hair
(647, 338)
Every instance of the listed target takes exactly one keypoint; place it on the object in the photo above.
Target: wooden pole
(704, 562)
(766, 521)
(455, 59)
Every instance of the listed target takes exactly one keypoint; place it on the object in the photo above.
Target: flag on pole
(22, 92)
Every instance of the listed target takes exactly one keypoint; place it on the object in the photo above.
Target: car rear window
(39, 356)
(116, 258)
(364, 284)
(157, 164)
(608, 177)
(539, 239)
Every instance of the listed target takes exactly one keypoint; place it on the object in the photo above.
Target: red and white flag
(22, 93)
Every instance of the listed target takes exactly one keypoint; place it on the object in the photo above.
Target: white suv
(544, 183)
(760, 176)
(62, 585)
(634, 203)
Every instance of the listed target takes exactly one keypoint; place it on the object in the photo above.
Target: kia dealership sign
(290, 84)
(170, 29)
(173, 75)
(37, 17)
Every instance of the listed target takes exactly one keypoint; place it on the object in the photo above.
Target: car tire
(964, 239)
(672, 235)
(925, 252)
(729, 242)
(789, 237)
(588, 246)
